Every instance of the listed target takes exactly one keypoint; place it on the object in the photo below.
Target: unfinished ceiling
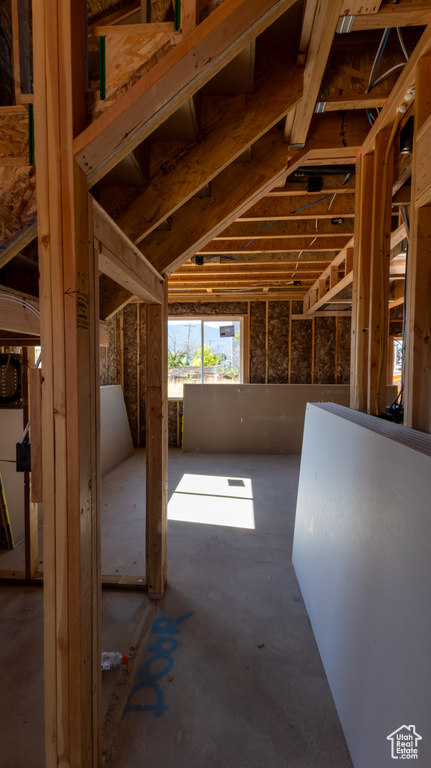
(230, 167)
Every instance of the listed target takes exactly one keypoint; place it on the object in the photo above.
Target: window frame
(241, 318)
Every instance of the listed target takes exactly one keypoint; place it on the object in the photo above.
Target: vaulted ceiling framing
(199, 144)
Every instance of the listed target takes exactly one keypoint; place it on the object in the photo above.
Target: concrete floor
(224, 670)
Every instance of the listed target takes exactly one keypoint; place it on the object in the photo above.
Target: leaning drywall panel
(253, 418)
(115, 438)
(362, 555)
(250, 418)
(11, 428)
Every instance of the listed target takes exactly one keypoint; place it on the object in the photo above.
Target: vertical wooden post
(361, 283)
(417, 393)
(313, 345)
(15, 52)
(70, 397)
(188, 16)
(266, 342)
(122, 349)
(138, 374)
(379, 280)
(157, 446)
(289, 374)
(31, 509)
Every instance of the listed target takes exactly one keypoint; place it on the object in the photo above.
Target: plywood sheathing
(257, 342)
(6, 74)
(18, 201)
(301, 347)
(324, 350)
(278, 342)
(343, 349)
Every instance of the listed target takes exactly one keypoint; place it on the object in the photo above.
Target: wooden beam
(271, 258)
(234, 191)
(70, 397)
(234, 295)
(228, 127)
(188, 16)
(417, 403)
(172, 81)
(156, 448)
(18, 318)
(330, 185)
(300, 208)
(123, 262)
(281, 244)
(309, 13)
(15, 52)
(15, 244)
(378, 322)
(399, 92)
(361, 284)
(325, 24)
(409, 15)
(36, 434)
(242, 230)
(112, 297)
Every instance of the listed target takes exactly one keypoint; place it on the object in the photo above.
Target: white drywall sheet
(115, 438)
(11, 429)
(253, 418)
(362, 555)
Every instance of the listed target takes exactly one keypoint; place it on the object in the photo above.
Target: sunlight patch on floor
(213, 500)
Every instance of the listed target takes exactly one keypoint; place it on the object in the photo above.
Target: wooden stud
(36, 433)
(70, 394)
(122, 349)
(417, 395)
(266, 342)
(188, 16)
(15, 52)
(289, 379)
(418, 358)
(323, 31)
(333, 276)
(336, 352)
(361, 284)
(246, 346)
(138, 373)
(321, 289)
(379, 280)
(313, 347)
(156, 444)
(30, 509)
(348, 264)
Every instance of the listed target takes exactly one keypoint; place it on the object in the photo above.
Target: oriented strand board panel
(250, 418)
(11, 429)
(362, 555)
(116, 441)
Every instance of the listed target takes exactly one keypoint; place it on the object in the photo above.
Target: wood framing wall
(281, 350)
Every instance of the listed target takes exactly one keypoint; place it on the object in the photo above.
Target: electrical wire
(389, 72)
(308, 205)
(21, 302)
(402, 44)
